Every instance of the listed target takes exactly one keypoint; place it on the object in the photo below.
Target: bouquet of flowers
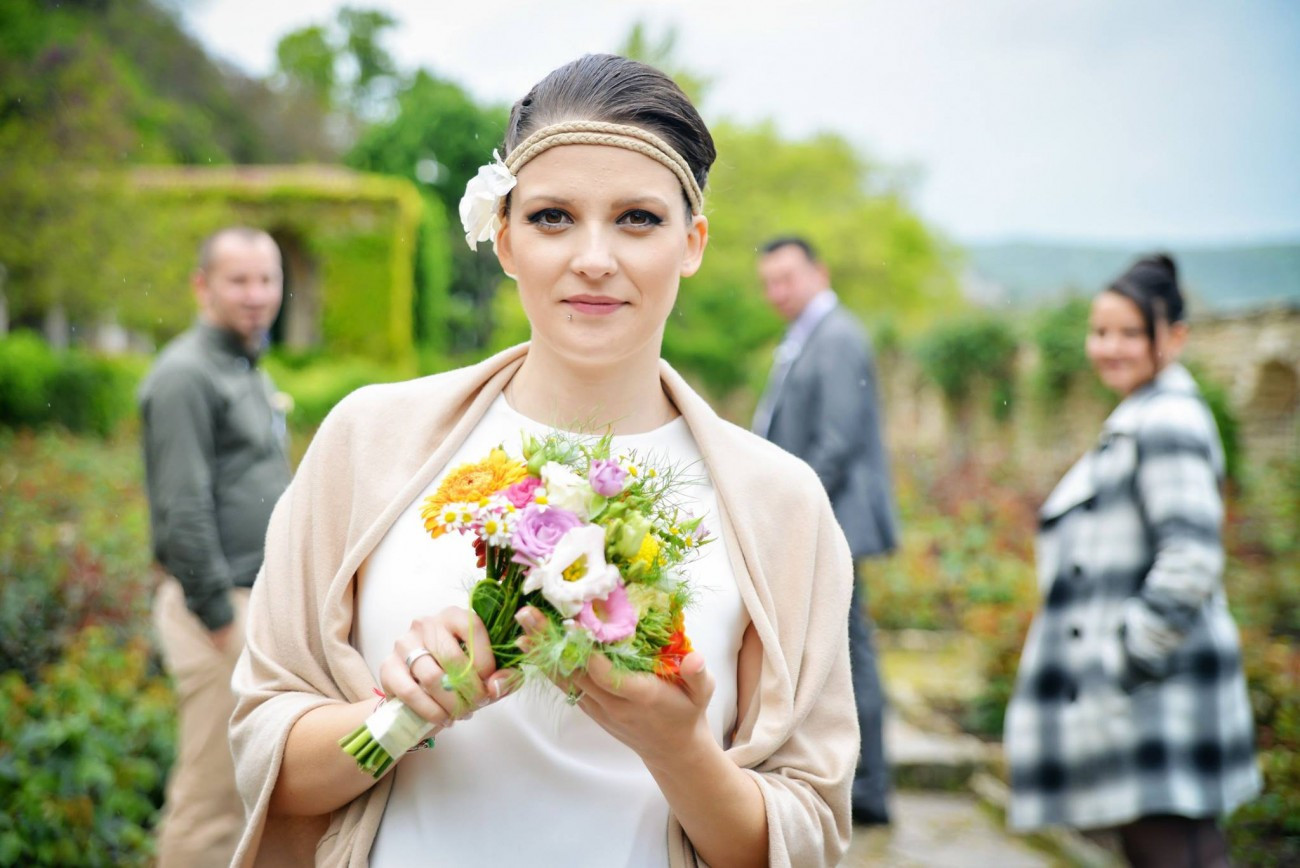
(592, 541)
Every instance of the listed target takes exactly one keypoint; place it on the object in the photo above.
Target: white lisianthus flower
(480, 207)
(568, 490)
(576, 571)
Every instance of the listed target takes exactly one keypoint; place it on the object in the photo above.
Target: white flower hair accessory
(480, 207)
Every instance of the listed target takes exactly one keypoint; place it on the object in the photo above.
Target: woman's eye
(638, 217)
(549, 217)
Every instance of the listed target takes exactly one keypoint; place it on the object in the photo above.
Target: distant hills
(1218, 280)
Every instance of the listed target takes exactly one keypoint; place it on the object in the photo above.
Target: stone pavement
(946, 808)
(938, 820)
(951, 830)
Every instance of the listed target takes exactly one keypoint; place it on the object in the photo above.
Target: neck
(626, 396)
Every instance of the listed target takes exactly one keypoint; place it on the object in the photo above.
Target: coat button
(1087, 504)
(1071, 693)
(1077, 571)
(1075, 632)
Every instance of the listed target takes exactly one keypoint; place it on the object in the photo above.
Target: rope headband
(481, 207)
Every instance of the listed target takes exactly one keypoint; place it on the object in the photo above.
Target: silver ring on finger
(416, 655)
(574, 697)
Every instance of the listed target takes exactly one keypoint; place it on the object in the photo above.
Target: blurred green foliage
(438, 139)
(86, 719)
(80, 392)
(84, 754)
(317, 383)
(1058, 334)
(963, 355)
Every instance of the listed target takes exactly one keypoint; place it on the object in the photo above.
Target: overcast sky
(1086, 120)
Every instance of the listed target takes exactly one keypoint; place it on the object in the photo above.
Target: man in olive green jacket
(215, 463)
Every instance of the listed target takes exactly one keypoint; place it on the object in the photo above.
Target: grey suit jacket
(827, 414)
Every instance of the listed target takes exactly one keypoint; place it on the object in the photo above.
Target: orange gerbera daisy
(470, 483)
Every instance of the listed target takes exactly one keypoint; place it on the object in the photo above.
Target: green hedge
(316, 384)
(80, 392)
(370, 237)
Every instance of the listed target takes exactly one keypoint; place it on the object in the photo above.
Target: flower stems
(369, 753)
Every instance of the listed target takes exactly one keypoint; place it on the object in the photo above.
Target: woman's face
(598, 238)
(1118, 346)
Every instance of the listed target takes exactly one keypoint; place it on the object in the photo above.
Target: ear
(697, 238)
(504, 250)
(199, 283)
(1175, 339)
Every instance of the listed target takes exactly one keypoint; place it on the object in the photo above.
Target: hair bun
(1162, 260)
(1152, 283)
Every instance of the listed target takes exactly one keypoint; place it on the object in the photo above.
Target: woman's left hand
(663, 721)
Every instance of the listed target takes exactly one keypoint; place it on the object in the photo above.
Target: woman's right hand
(458, 642)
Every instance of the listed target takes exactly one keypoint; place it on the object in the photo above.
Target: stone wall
(1254, 356)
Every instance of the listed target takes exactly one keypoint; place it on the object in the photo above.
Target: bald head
(239, 283)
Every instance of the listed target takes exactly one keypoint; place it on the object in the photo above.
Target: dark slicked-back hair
(791, 241)
(616, 90)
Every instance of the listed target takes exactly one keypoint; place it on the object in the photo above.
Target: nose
(595, 258)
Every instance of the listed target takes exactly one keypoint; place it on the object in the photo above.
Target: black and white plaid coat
(1130, 699)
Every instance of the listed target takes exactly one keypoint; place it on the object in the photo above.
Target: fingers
(605, 684)
(450, 681)
(398, 683)
(531, 620)
(696, 678)
(475, 638)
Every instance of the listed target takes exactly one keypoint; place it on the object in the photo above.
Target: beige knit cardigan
(379, 449)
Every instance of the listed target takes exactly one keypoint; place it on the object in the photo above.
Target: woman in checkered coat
(1130, 711)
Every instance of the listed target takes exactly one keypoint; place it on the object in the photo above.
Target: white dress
(531, 780)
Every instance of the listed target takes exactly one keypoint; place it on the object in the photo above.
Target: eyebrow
(560, 201)
(648, 199)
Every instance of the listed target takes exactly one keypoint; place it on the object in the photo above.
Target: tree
(342, 69)
(439, 137)
(661, 53)
(86, 91)
(886, 264)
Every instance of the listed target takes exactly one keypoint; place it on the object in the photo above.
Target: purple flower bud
(606, 477)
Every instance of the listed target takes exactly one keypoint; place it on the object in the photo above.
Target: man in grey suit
(820, 404)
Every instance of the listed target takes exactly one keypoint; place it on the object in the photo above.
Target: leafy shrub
(1059, 336)
(1267, 830)
(74, 543)
(1216, 398)
(316, 384)
(961, 354)
(84, 754)
(82, 393)
(26, 367)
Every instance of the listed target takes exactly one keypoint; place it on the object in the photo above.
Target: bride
(597, 213)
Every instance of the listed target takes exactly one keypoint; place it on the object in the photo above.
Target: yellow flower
(471, 483)
(648, 552)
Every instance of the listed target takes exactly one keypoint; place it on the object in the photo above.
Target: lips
(594, 305)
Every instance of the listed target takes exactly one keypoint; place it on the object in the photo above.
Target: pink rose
(521, 493)
(606, 477)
